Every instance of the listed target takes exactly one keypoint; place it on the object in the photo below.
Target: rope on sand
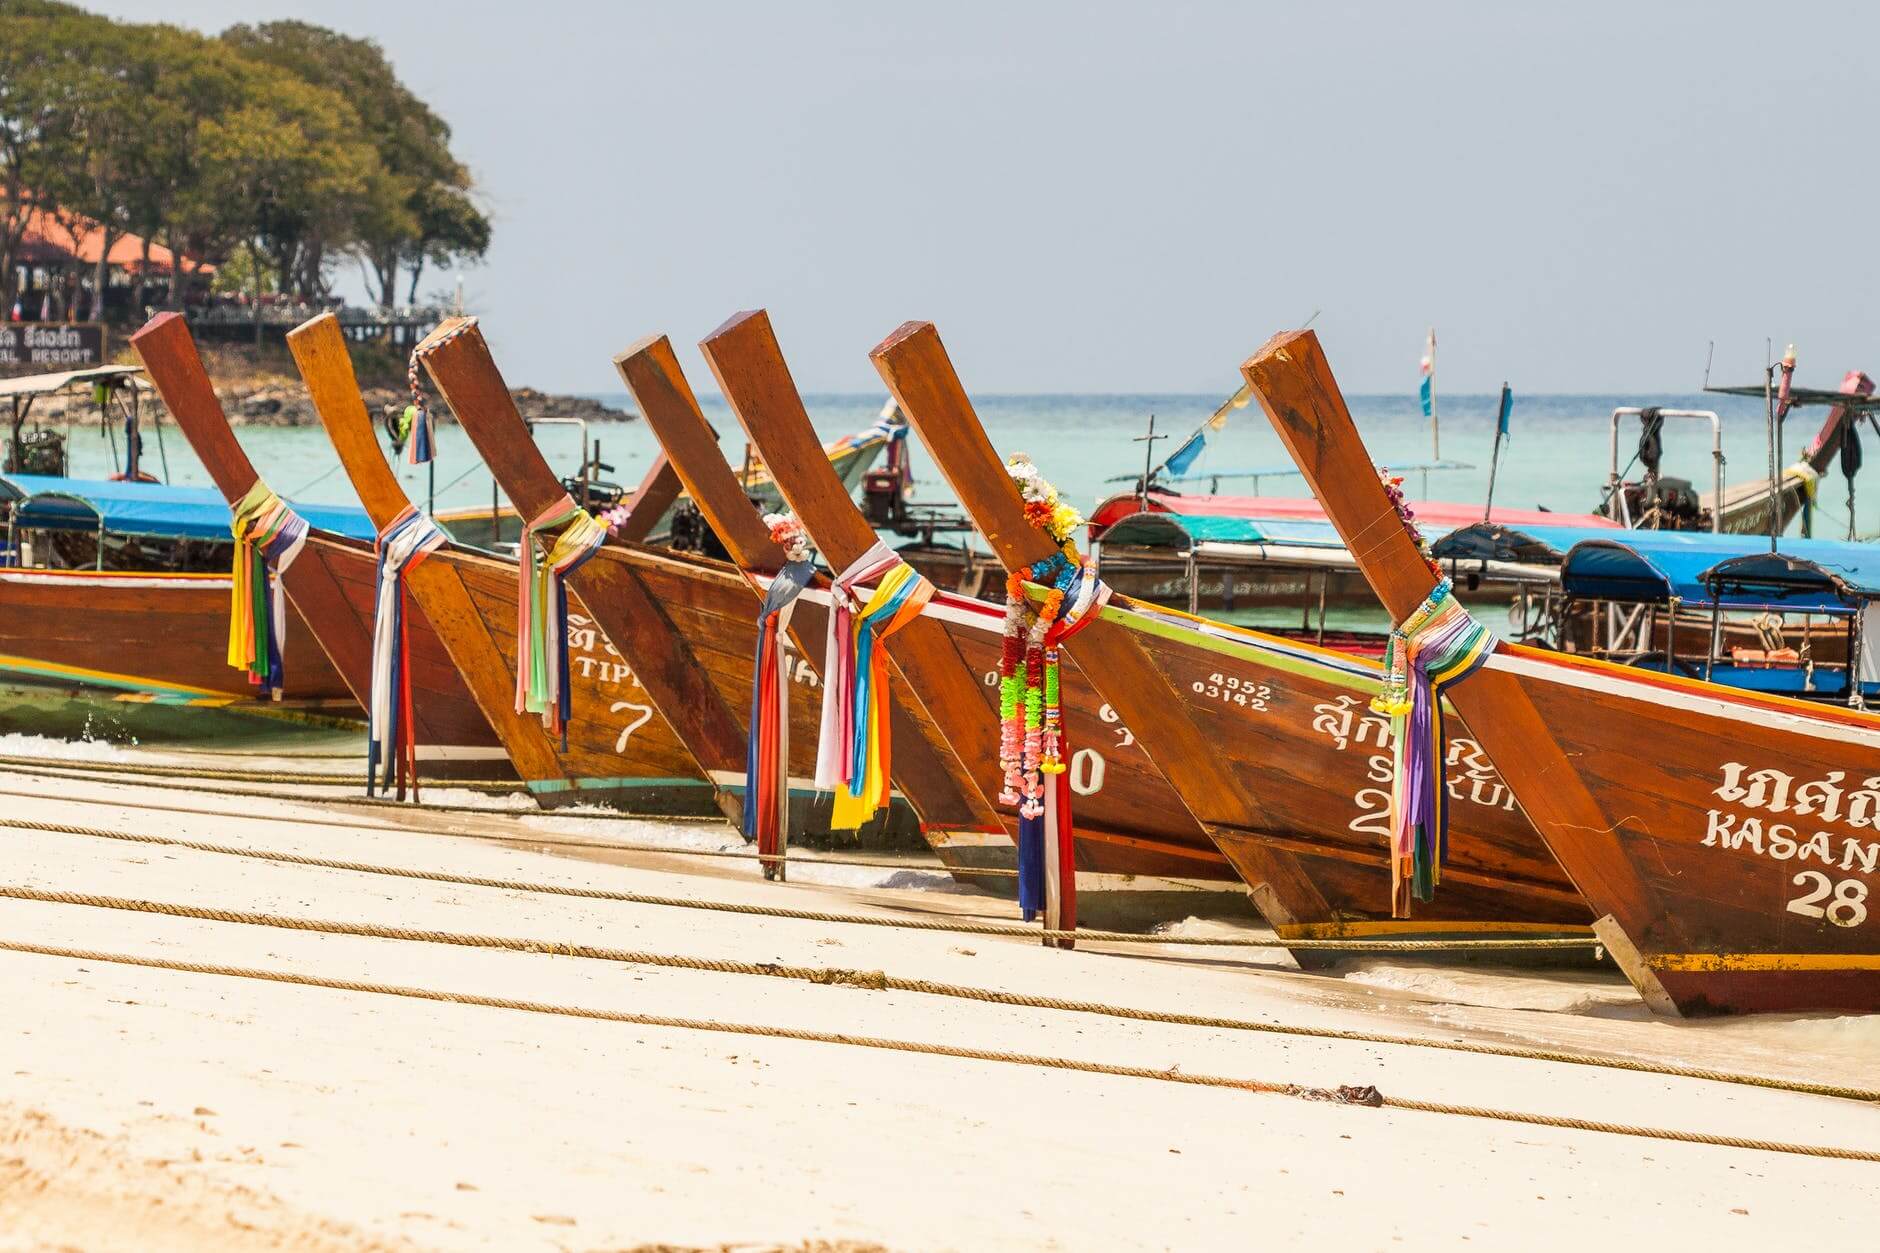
(529, 837)
(1348, 1095)
(779, 911)
(880, 981)
(493, 786)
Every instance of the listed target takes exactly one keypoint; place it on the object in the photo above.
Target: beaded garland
(1032, 740)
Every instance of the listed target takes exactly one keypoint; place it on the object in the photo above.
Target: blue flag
(1183, 457)
(1501, 417)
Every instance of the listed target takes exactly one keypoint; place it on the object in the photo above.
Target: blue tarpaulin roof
(1804, 576)
(1183, 530)
(148, 509)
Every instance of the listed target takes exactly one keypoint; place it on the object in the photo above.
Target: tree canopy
(284, 145)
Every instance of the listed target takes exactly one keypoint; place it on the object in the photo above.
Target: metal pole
(1769, 414)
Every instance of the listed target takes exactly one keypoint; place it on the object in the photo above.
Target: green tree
(286, 177)
(420, 209)
(38, 41)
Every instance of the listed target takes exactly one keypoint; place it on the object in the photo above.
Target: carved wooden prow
(651, 372)
(671, 674)
(169, 355)
(914, 365)
(747, 361)
(1295, 385)
(928, 773)
(459, 362)
(650, 500)
(319, 348)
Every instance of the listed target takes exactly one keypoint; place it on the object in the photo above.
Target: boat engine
(884, 501)
(1663, 504)
(691, 533)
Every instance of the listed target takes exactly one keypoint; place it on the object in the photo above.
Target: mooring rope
(1365, 1096)
(529, 836)
(950, 926)
(883, 981)
(363, 802)
(248, 776)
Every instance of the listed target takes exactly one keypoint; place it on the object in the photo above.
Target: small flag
(1502, 414)
(1183, 457)
(1428, 370)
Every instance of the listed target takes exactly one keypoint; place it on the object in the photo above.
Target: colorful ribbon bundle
(1435, 646)
(391, 740)
(852, 753)
(268, 536)
(542, 685)
(767, 757)
(420, 432)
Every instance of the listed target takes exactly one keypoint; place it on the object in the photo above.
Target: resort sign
(53, 346)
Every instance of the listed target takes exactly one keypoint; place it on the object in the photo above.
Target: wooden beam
(1293, 381)
(657, 492)
(929, 775)
(650, 369)
(319, 349)
(748, 363)
(914, 365)
(169, 355)
(459, 361)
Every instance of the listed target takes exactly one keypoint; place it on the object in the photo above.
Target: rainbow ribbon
(1438, 645)
(542, 681)
(391, 738)
(767, 756)
(268, 537)
(852, 754)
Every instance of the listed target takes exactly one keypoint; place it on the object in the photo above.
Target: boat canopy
(155, 510)
(1525, 545)
(1185, 531)
(47, 384)
(1737, 571)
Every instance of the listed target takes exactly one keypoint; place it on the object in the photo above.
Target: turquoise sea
(1557, 457)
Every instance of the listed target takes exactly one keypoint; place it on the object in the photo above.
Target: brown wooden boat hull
(165, 634)
(710, 605)
(619, 752)
(1749, 830)
(1727, 840)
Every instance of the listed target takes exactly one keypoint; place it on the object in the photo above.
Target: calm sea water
(1557, 457)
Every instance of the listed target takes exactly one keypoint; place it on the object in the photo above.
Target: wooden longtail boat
(332, 584)
(1265, 740)
(159, 632)
(1136, 840)
(620, 749)
(1725, 838)
(684, 624)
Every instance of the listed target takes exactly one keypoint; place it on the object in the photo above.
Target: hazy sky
(1100, 197)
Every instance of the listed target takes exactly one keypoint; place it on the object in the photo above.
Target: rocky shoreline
(279, 403)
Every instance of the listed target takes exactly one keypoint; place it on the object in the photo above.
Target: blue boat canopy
(1738, 571)
(154, 510)
(1185, 530)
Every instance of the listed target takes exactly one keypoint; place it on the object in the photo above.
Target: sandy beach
(160, 1109)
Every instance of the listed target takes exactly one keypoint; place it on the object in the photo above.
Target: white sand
(154, 1109)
